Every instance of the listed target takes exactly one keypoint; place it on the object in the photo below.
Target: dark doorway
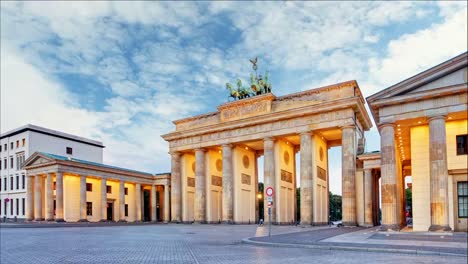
(146, 205)
(110, 211)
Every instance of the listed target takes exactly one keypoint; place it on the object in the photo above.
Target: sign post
(269, 193)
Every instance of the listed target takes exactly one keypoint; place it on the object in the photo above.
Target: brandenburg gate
(214, 171)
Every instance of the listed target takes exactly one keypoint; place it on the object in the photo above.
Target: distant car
(337, 223)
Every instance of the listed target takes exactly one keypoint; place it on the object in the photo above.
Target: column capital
(269, 139)
(174, 153)
(227, 145)
(435, 117)
(348, 126)
(382, 125)
(305, 133)
(200, 149)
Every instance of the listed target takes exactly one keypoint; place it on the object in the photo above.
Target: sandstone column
(307, 185)
(200, 186)
(368, 194)
(122, 201)
(348, 167)
(38, 198)
(269, 175)
(49, 198)
(59, 213)
(388, 178)
(103, 200)
(83, 217)
(176, 188)
(166, 203)
(29, 198)
(228, 216)
(153, 204)
(438, 174)
(138, 202)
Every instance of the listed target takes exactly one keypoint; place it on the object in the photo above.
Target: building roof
(58, 157)
(53, 133)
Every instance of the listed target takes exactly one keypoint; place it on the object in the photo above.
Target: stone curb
(58, 225)
(351, 248)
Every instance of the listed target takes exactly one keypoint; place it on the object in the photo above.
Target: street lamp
(259, 196)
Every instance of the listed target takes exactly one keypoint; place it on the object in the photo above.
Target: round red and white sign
(269, 191)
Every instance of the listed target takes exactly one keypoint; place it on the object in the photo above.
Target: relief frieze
(245, 179)
(216, 180)
(190, 182)
(321, 173)
(286, 176)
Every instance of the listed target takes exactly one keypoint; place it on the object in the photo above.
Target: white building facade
(17, 145)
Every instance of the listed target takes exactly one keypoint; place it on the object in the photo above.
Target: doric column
(176, 188)
(348, 168)
(103, 200)
(228, 201)
(29, 198)
(307, 185)
(49, 198)
(153, 204)
(269, 175)
(388, 177)
(122, 201)
(438, 174)
(200, 186)
(138, 202)
(166, 203)
(59, 213)
(368, 194)
(38, 198)
(83, 217)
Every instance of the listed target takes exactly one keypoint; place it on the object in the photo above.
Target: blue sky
(120, 72)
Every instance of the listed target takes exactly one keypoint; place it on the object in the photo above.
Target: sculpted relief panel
(264, 128)
(242, 111)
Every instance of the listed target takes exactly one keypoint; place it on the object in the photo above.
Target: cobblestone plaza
(173, 244)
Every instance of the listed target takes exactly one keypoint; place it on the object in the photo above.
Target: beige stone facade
(422, 123)
(65, 189)
(214, 156)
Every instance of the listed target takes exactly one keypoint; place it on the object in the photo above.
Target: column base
(200, 222)
(59, 220)
(39, 219)
(227, 222)
(394, 227)
(439, 228)
(103, 220)
(349, 224)
(29, 219)
(50, 219)
(83, 220)
(122, 221)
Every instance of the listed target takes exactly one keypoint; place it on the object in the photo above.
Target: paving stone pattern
(170, 244)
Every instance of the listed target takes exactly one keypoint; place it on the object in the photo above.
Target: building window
(11, 182)
(89, 187)
(11, 145)
(4, 163)
(69, 151)
(11, 206)
(0, 184)
(5, 184)
(24, 142)
(17, 143)
(462, 144)
(0, 164)
(19, 160)
(23, 206)
(89, 208)
(5, 203)
(17, 206)
(23, 180)
(462, 188)
(11, 162)
(0, 151)
(54, 186)
(5, 148)
(126, 210)
(17, 182)
(0, 206)
(126, 191)
(109, 189)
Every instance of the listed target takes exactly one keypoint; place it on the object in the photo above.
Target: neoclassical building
(422, 123)
(61, 188)
(214, 156)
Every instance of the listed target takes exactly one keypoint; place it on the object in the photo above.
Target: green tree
(335, 207)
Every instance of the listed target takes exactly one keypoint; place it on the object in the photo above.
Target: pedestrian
(260, 222)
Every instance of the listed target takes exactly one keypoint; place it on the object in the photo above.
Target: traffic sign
(269, 191)
(269, 199)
